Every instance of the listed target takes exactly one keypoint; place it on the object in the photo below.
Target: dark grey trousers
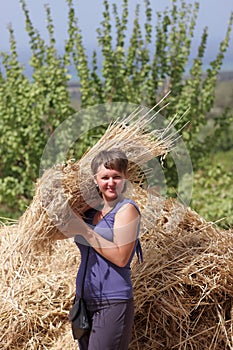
(112, 323)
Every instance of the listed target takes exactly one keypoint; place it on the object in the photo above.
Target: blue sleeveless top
(104, 280)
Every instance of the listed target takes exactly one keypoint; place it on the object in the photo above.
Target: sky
(212, 13)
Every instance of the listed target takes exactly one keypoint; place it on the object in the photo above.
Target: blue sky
(213, 13)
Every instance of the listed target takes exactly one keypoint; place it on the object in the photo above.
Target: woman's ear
(94, 179)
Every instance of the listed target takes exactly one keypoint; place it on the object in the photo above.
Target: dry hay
(183, 290)
(36, 293)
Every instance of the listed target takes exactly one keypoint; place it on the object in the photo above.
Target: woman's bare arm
(125, 232)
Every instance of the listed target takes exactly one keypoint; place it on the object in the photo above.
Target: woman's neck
(109, 205)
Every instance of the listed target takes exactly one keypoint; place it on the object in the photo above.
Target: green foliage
(30, 110)
(213, 194)
(137, 67)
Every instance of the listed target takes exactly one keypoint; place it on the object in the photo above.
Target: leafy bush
(213, 194)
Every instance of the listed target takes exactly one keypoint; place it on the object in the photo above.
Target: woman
(111, 231)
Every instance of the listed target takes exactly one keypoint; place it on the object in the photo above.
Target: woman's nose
(111, 181)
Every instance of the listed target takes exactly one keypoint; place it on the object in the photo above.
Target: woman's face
(111, 182)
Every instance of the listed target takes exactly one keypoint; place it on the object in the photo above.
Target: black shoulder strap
(139, 251)
(84, 275)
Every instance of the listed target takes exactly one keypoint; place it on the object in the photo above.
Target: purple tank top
(104, 280)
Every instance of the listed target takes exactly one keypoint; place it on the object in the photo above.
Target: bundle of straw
(69, 187)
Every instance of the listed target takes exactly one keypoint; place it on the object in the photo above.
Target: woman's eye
(116, 177)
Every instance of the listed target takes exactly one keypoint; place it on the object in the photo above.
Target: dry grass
(183, 290)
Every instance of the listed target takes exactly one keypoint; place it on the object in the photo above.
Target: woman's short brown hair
(114, 158)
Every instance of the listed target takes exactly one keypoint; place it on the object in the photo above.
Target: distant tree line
(137, 67)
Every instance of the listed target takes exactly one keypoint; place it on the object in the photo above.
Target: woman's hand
(74, 226)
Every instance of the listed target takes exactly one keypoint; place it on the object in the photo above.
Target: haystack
(183, 290)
